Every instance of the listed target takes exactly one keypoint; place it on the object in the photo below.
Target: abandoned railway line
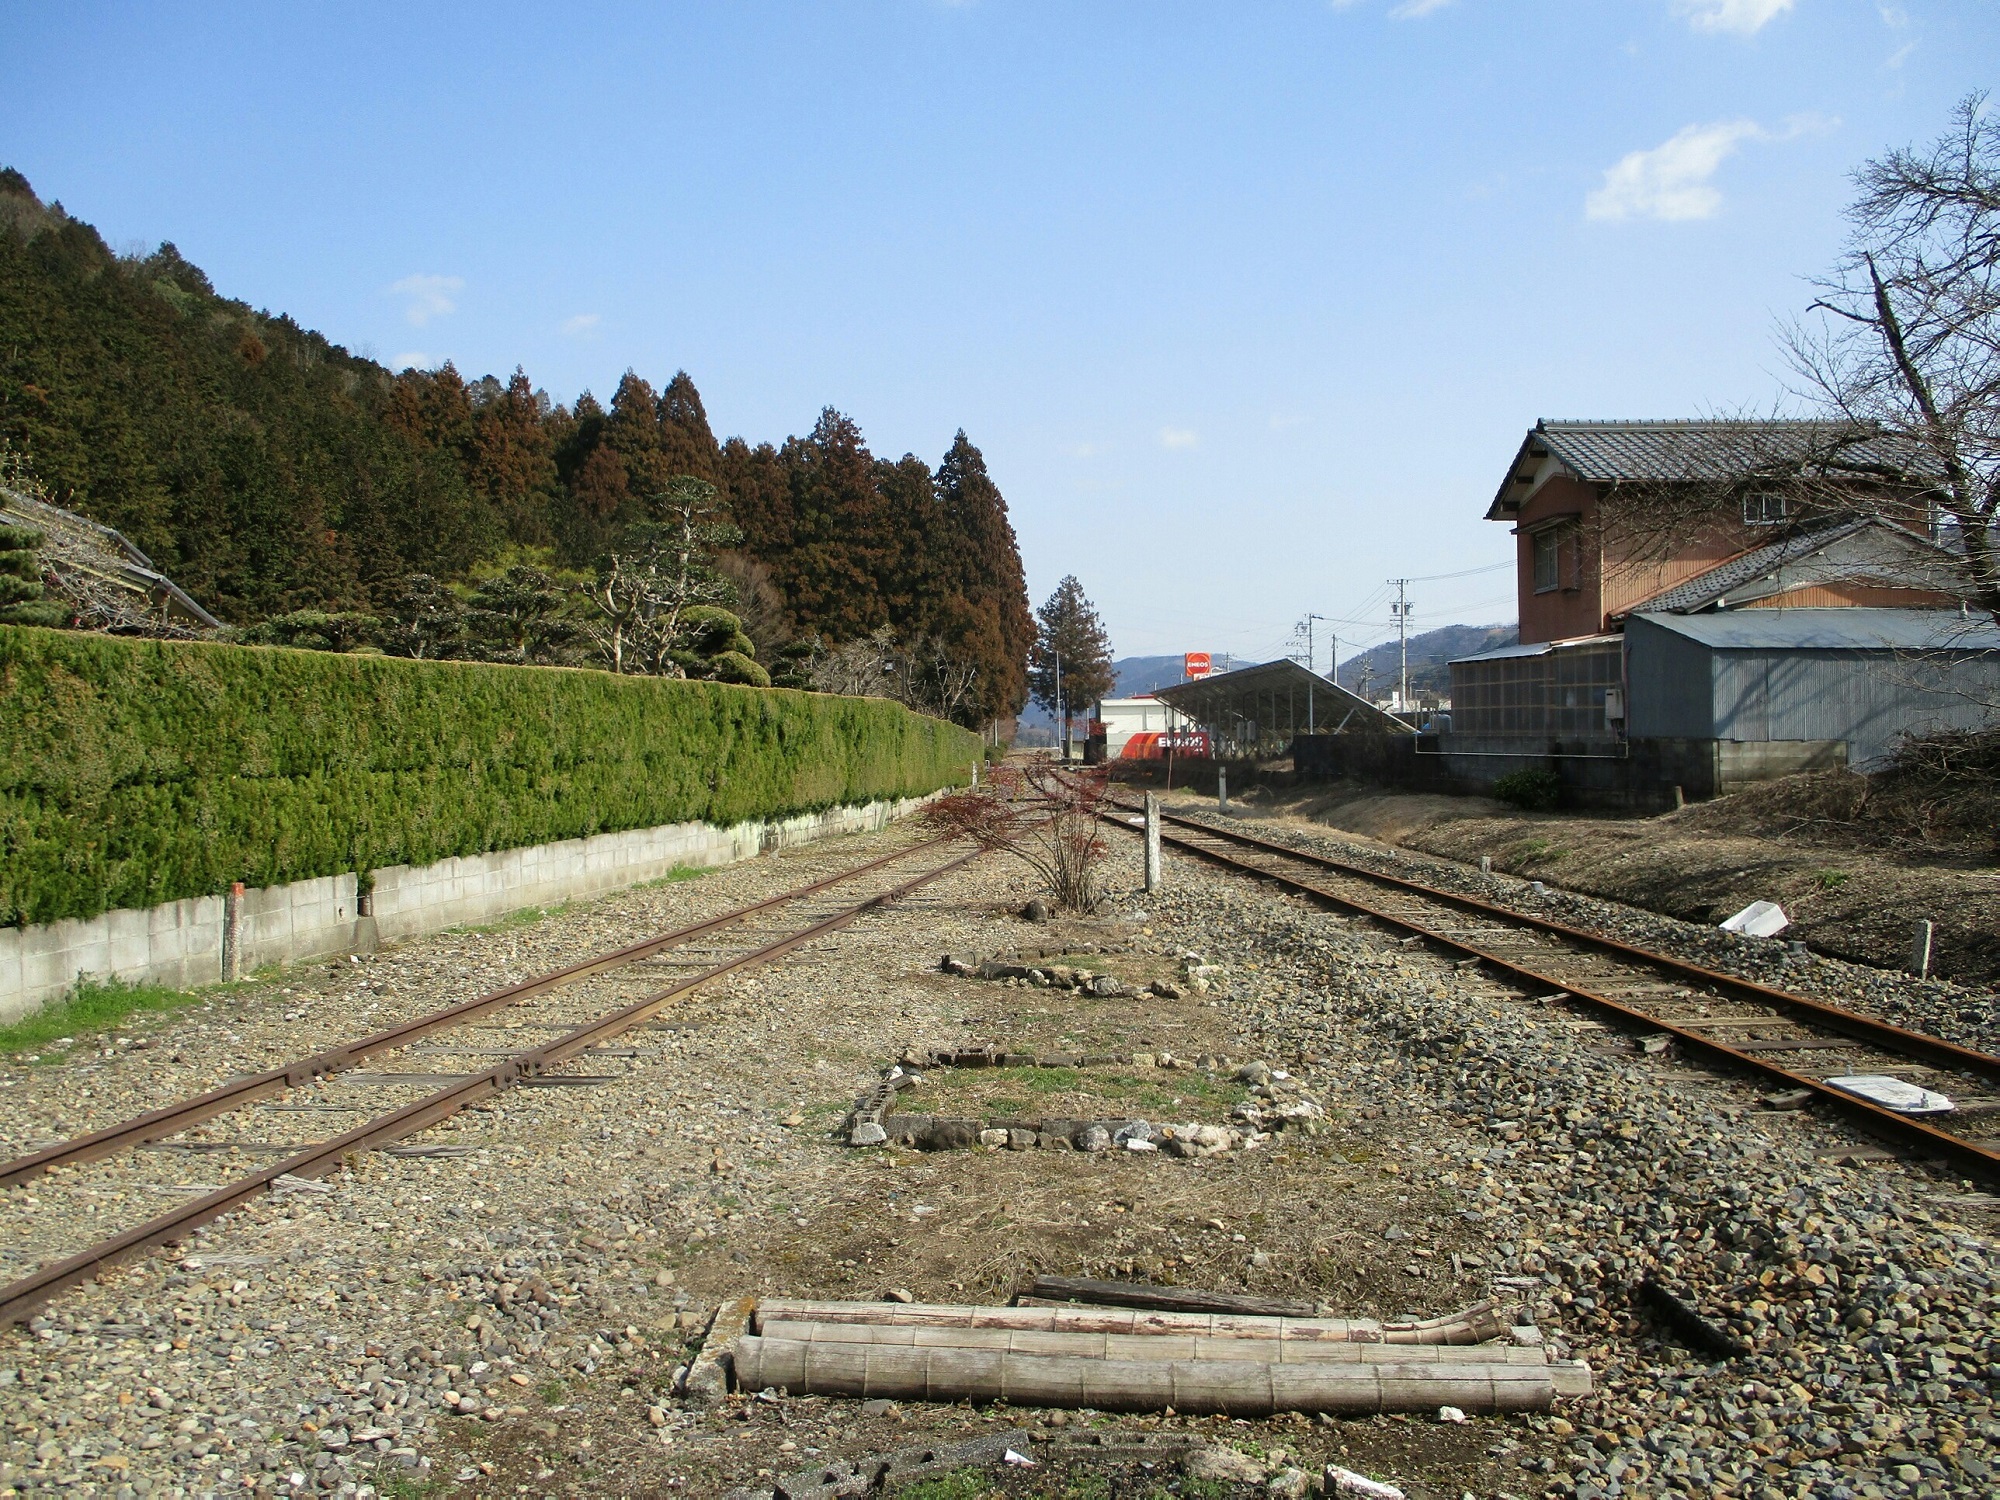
(574, 1012)
(1721, 1019)
(499, 1302)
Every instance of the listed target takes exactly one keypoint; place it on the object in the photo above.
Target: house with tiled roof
(1818, 542)
(1611, 516)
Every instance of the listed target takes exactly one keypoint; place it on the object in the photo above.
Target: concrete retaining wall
(181, 943)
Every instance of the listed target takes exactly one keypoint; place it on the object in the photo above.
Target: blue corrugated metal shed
(1864, 676)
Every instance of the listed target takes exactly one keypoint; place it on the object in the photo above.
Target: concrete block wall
(181, 943)
(410, 900)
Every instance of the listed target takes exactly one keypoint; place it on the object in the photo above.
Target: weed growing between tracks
(93, 1006)
(1094, 1093)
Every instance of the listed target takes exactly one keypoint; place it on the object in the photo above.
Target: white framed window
(1761, 508)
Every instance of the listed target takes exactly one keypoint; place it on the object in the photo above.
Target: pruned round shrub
(1535, 790)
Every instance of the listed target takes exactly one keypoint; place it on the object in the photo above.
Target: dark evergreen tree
(687, 446)
(520, 616)
(21, 601)
(832, 572)
(425, 621)
(1071, 666)
(987, 593)
(512, 461)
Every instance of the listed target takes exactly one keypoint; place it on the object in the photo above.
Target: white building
(1124, 717)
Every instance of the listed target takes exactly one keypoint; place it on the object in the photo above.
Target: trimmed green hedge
(136, 772)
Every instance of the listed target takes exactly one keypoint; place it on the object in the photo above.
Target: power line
(1467, 573)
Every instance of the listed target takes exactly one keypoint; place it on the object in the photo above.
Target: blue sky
(1248, 304)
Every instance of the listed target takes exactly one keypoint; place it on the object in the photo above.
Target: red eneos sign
(1196, 664)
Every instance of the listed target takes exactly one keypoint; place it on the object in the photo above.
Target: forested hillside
(1374, 673)
(268, 470)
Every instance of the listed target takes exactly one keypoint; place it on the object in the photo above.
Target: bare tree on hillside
(924, 672)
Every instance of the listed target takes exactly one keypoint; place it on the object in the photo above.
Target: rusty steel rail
(1862, 1028)
(238, 1092)
(1905, 1130)
(20, 1299)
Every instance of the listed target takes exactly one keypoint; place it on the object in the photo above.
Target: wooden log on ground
(1071, 1318)
(1165, 1298)
(872, 1371)
(1475, 1325)
(1146, 1346)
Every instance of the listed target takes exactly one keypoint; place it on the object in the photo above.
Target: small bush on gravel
(1534, 791)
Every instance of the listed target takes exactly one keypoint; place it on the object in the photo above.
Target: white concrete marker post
(1920, 949)
(1152, 842)
(1222, 789)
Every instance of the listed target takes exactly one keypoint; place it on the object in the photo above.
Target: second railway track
(442, 1063)
(1789, 1040)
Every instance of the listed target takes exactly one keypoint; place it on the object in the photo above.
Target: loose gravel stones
(518, 1287)
(1871, 1306)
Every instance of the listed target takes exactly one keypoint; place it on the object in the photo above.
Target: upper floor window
(1548, 559)
(1763, 509)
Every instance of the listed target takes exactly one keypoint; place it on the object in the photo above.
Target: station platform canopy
(1258, 709)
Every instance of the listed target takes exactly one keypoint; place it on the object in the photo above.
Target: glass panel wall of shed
(1556, 694)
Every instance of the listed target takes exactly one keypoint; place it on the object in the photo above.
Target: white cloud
(1737, 17)
(1416, 10)
(1671, 181)
(428, 296)
(413, 359)
(581, 324)
(1084, 450)
(1179, 437)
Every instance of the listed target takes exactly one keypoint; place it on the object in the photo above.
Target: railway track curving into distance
(1788, 1040)
(452, 1063)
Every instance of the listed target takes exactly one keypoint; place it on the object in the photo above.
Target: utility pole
(1063, 722)
(1401, 610)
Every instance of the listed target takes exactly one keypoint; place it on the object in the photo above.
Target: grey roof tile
(1743, 568)
(1624, 452)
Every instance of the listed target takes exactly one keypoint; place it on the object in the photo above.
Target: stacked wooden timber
(1139, 1359)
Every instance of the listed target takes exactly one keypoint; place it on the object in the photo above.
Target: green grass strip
(93, 1006)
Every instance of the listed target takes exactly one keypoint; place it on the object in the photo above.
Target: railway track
(1791, 1041)
(433, 1067)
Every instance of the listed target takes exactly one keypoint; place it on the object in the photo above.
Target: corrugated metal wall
(1668, 681)
(1867, 698)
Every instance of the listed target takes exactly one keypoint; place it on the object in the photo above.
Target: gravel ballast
(505, 1317)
